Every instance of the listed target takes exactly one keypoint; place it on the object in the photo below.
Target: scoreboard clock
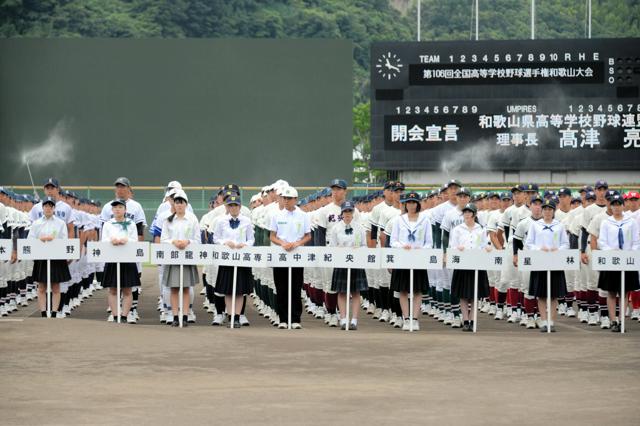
(505, 105)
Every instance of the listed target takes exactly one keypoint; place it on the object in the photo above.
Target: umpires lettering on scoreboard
(568, 100)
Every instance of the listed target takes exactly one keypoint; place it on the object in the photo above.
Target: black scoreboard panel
(506, 105)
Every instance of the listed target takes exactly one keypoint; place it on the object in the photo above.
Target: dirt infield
(83, 370)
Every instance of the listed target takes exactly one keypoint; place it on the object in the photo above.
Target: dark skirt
(224, 281)
(538, 284)
(128, 275)
(400, 280)
(59, 271)
(610, 281)
(462, 284)
(339, 280)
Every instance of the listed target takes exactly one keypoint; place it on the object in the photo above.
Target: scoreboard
(506, 105)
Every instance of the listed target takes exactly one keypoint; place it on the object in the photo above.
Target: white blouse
(112, 229)
(609, 230)
(414, 234)
(551, 235)
(475, 238)
(186, 228)
(54, 227)
(338, 237)
(243, 233)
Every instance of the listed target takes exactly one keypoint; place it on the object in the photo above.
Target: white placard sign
(348, 257)
(399, 258)
(298, 258)
(6, 247)
(131, 252)
(615, 260)
(494, 260)
(57, 249)
(538, 260)
(193, 254)
(252, 257)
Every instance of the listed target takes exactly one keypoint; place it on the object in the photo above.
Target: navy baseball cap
(492, 194)
(122, 181)
(564, 192)
(52, 181)
(601, 184)
(49, 200)
(232, 198)
(586, 188)
(591, 195)
(611, 193)
(399, 186)
(231, 187)
(576, 200)
(464, 191)
(470, 207)
(505, 196)
(454, 182)
(347, 205)
(528, 187)
(616, 199)
(549, 204)
(537, 197)
(411, 196)
(340, 183)
(390, 184)
(119, 202)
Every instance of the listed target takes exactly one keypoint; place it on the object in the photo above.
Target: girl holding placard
(47, 228)
(618, 232)
(547, 234)
(180, 229)
(469, 235)
(410, 231)
(234, 231)
(120, 230)
(348, 234)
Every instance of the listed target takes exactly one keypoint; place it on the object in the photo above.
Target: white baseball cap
(174, 184)
(289, 192)
(256, 197)
(179, 193)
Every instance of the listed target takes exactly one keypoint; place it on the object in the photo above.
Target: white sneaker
(244, 321)
(371, 309)
(593, 319)
(583, 316)
(385, 316)
(456, 322)
(493, 309)
(110, 318)
(437, 313)
(423, 309)
(531, 323)
(570, 313)
(377, 313)
(311, 308)
(131, 318)
(327, 318)
(295, 326)
(499, 314)
(605, 323)
(538, 322)
(393, 318)
(448, 320)
(485, 308)
(284, 326)
(416, 325)
(191, 317)
(635, 314)
(404, 325)
(562, 309)
(333, 321)
(24, 302)
(203, 291)
(513, 317)
(320, 312)
(61, 315)
(523, 319)
(400, 323)
(218, 319)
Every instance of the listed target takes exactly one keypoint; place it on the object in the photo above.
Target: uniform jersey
(134, 212)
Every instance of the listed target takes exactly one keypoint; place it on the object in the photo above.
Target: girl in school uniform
(348, 233)
(234, 231)
(180, 229)
(547, 234)
(120, 230)
(618, 232)
(410, 231)
(469, 235)
(47, 228)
